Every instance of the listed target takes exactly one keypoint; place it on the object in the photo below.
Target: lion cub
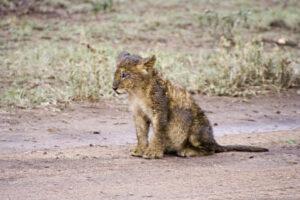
(179, 124)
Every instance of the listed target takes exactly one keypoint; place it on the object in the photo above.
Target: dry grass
(56, 60)
(51, 73)
(246, 69)
(55, 6)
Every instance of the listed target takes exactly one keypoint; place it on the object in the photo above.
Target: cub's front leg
(142, 124)
(156, 146)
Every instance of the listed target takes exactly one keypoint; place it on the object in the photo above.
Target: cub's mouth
(119, 91)
(116, 91)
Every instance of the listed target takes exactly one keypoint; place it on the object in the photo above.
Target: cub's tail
(220, 148)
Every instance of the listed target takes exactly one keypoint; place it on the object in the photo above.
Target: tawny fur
(179, 124)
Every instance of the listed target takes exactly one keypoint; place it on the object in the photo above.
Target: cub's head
(132, 71)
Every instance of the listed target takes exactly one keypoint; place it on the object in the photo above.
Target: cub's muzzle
(115, 87)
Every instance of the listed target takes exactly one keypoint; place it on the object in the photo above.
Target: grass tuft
(50, 74)
(244, 70)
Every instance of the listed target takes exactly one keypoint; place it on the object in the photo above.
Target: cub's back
(178, 96)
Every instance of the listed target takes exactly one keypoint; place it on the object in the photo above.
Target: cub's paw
(153, 154)
(137, 151)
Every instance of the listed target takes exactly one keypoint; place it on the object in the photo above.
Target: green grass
(52, 6)
(229, 24)
(212, 48)
(50, 73)
(243, 70)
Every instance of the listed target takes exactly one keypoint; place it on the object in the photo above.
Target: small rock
(96, 132)
(147, 196)
(91, 145)
(281, 41)
(215, 124)
(278, 112)
(250, 157)
(53, 130)
(85, 157)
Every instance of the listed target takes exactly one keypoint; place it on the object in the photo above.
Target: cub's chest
(139, 104)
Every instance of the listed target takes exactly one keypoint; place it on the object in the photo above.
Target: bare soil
(82, 152)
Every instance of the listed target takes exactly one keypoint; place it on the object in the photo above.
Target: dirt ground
(82, 152)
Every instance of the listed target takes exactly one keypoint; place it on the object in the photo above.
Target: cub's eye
(124, 75)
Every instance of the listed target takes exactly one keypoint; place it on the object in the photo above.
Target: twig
(92, 49)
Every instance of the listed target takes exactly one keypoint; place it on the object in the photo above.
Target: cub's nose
(115, 85)
(114, 88)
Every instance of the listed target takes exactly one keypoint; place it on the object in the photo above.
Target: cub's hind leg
(203, 140)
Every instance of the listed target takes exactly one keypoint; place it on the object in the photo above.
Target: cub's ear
(122, 55)
(149, 62)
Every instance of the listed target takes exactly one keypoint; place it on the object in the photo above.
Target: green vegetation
(209, 48)
(230, 24)
(52, 6)
(243, 70)
(51, 73)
